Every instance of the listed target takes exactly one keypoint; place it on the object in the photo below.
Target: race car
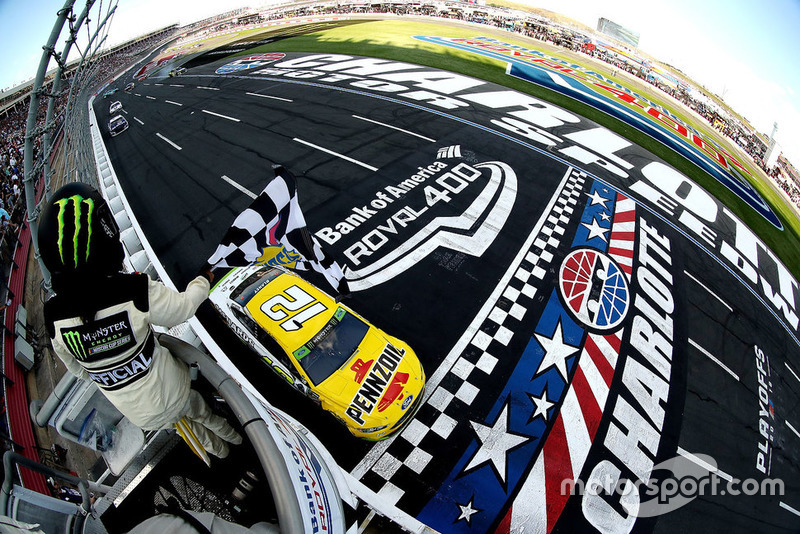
(110, 92)
(117, 125)
(114, 107)
(177, 72)
(370, 381)
(129, 87)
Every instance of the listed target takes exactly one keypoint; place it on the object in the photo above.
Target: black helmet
(78, 234)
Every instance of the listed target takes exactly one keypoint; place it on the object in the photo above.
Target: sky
(742, 50)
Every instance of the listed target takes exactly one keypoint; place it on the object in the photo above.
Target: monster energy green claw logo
(78, 202)
(73, 342)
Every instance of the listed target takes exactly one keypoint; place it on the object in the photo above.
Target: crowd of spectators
(13, 121)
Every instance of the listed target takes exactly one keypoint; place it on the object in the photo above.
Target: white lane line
(136, 94)
(240, 187)
(150, 97)
(270, 96)
(351, 160)
(705, 465)
(793, 429)
(159, 85)
(209, 88)
(168, 141)
(708, 290)
(234, 119)
(394, 128)
(787, 507)
(137, 120)
(714, 359)
(171, 102)
(175, 85)
(791, 371)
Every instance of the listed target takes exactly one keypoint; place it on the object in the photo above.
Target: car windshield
(332, 347)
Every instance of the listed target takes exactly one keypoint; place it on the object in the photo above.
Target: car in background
(110, 92)
(129, 87)
(177, 72)
(114, 107)
(117, 125)
(370, 381)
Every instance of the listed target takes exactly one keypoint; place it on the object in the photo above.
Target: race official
(100, 320)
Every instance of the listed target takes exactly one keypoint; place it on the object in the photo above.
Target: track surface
(690, 349)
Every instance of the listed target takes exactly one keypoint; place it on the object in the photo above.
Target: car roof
(288, 334)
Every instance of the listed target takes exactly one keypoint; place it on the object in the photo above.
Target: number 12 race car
(370, 381)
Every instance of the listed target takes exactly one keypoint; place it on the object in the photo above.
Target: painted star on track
(467, 511)
(542, 404)
(595, 230)
(556, 352)
(597, 198)
(495, 442)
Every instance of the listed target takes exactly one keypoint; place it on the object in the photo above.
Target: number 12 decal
(283, 306)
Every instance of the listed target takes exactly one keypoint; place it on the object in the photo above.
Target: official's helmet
(78, 234)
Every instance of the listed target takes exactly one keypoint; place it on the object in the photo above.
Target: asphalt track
(489, 275)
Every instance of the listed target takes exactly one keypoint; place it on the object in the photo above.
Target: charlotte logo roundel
(594, 289)
(250, 62)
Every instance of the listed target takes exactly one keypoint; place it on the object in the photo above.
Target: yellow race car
(372, 382)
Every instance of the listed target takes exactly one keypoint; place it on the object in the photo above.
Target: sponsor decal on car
(378, 385)
(361, 368)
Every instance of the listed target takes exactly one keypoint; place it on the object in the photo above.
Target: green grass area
(391, 39)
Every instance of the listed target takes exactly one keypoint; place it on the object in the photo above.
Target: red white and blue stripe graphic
(541, 428)
(544, 494)
(620, 244)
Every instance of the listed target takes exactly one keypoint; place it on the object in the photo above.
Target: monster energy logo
(73, 342)
(78, 202)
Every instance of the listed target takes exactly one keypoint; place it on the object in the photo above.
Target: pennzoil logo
(378, 388)
(78, 203)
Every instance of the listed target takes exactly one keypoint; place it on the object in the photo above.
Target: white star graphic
(466, 511)
(597, 198)
(495, 444)
(595, 230)
(542, 405)
(556, 352)
(605, 216)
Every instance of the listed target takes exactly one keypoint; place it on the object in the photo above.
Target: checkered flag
(274, 223)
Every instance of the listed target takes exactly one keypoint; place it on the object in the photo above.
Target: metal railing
(63, 108)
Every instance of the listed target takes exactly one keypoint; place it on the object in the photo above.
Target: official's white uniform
(118, 350)
(215, 525)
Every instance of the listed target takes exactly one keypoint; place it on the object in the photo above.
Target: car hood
(377, 384)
